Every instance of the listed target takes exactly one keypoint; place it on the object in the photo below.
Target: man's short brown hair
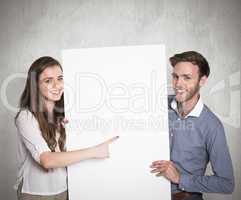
(195, 58)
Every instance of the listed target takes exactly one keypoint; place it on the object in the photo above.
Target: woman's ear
(203, 80)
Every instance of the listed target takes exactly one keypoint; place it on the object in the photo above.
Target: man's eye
(174, 76)
(187, 78)
(47, 81)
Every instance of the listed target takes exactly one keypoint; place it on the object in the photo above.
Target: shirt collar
(195, 112)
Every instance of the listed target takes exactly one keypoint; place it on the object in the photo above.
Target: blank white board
(117, 91)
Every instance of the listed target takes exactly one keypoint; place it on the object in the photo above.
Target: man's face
(186, 81)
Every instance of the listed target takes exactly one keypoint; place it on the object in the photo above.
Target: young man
(196, 135)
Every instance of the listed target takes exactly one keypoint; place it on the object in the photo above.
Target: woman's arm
(50, 160)
(30, 134)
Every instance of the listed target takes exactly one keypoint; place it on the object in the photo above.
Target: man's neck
(184, 108)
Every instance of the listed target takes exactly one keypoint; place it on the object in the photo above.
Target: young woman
(42, 155)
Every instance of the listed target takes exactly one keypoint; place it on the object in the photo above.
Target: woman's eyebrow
(49, 77)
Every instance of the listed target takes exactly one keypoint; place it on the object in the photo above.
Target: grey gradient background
(29, 29)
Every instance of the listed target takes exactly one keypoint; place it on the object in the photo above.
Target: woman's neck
(49, 106)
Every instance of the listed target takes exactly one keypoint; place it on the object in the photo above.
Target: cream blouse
(36, 179)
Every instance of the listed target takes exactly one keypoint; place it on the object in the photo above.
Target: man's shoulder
(210, 117)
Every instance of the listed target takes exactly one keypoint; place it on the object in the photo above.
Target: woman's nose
(57, 84)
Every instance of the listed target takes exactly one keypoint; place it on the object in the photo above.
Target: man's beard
(189, 94)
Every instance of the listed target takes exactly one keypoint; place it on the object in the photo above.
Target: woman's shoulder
(25, 115)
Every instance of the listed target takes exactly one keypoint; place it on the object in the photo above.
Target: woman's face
(51, 83)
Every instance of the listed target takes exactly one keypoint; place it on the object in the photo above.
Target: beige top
(36, 179)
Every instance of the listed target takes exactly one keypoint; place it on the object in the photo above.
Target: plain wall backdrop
(30, 29)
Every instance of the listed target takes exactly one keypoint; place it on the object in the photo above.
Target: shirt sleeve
(29, 132)
(222, 180)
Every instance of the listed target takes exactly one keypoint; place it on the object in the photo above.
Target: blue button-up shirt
(195, 141)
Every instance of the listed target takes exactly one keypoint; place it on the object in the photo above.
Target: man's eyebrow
(186, 74)
(174, 74)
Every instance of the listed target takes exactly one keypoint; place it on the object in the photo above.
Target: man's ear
(203, 80)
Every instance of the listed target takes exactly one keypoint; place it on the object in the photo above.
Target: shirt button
(172, 135)
(178, 119)
(183, 189)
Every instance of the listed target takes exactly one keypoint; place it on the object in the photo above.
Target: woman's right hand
(101, 151)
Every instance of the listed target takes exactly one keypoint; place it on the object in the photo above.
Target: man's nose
(179, 82)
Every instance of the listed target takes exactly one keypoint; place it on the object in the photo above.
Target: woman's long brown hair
(31, 100)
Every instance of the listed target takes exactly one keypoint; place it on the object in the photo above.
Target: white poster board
(117, 91)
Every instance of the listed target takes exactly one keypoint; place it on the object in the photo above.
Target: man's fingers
(158, 162)
(156, 166)
(159, 169)
(159, 174)
(155, 170)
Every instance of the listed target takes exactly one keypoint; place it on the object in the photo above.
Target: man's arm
(222, 181)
